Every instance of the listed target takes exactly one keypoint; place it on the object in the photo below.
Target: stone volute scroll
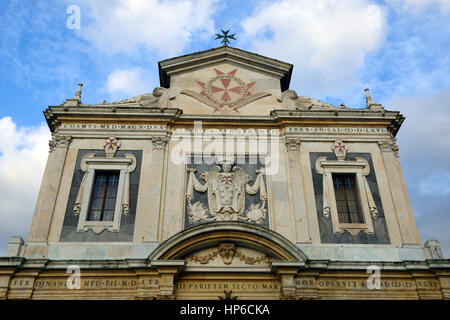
(288, 100)
(89, 164)
(226, 193)
(164, 96)
(361, 169)
(160, 98)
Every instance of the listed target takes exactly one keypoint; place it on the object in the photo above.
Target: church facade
(223, 184)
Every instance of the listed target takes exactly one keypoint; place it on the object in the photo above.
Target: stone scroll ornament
(225, 92)
(226, 195)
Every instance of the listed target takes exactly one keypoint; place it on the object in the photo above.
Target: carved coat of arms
(225, 92)
(226, 189)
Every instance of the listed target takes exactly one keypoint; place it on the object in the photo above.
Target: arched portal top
(243, 234)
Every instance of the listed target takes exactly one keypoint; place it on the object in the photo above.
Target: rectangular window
(347, 198)
(103, 199)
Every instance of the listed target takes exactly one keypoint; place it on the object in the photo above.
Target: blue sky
(398, 48)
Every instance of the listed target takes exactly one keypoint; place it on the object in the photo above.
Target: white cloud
(128, 82)
(23, 154)
(424, 142)
(425, 136)
(326, 40)
(164, 26)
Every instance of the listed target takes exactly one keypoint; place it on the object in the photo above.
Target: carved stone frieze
(228, 252)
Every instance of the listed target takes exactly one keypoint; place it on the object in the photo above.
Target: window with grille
(347, 198)
(104, 194)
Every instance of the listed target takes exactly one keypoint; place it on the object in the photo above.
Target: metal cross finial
(225, 37)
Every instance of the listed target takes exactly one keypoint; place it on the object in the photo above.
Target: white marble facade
(228, 104)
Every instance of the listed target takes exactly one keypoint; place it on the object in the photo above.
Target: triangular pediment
(280, 70)
(225, 80)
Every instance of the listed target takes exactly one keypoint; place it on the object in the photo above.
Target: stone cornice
(391, 120)
(126, 264)
(54, 114)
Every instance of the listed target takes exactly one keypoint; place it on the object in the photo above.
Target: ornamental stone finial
(369, 100)
(433, 250)
(370, 104)
(78, 93)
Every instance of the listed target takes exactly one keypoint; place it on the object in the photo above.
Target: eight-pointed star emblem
(225, 89)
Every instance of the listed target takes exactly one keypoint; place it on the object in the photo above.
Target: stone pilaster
(48, 192)
(444, 282)
(278, 186)
(5, 277)
(148, 287)
(149, 197)
(286, 271)
(306, 285)
(427, 285)
(403, 209)
(297, 193)
(15, 245)
(168, 271)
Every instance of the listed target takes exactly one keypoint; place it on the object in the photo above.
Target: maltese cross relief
(225, 92)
